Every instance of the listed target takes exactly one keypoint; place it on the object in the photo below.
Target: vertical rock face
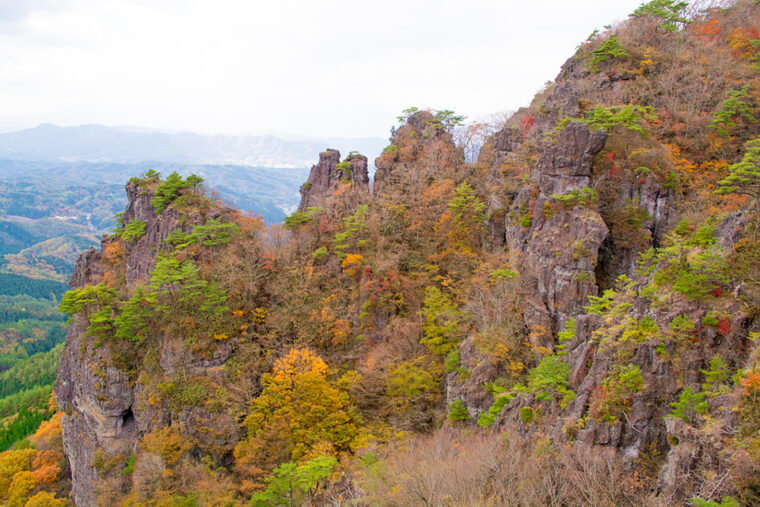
(140, 254)
(326, 176)
(97, 397)
(556, 244)
(359, 173)
(106, 408)
(619, 250)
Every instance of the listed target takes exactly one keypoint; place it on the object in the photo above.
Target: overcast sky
(309, 67)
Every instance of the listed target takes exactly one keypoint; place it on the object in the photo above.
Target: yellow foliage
(168, 442)
(22, 483)
(352, 263)
(739, 39)
(647, 63)
(13, 462)
(299, 413)
(260, 316)
(45, 499)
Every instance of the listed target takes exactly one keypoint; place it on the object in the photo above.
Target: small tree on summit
(670, 12)
(167, 191)
(744, 177)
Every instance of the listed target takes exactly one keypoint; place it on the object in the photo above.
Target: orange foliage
(739, 39)
(113, 255)
(711, 29)
(249, 224)
(48, 431)
(751, 384)
(24, 470)
(352, 264)
(113, 252)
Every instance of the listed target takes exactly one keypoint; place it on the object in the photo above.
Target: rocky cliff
(581, 291)
(327, 175)
(107, 407)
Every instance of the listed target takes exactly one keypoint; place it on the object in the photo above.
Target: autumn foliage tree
(300, 414)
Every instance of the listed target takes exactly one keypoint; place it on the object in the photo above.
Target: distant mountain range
(98, 143)
(60, 186)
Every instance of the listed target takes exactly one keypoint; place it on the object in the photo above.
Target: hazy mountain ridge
(99, 143)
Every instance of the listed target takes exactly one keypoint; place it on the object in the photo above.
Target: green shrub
(501, 400)
(703, 237)
(148, 178)
(736, 105)
(610, 49)
(618, 389)
(133, 230)
(689, 406)
(345, 168)
(295, 220)
(295, 484)
(710, 320)
(527, 415)
(169, 190)
(130, 466)
(727, 501)
(629, 117)
(212, 233)
(716, 378)
(504, 274)
(585, 196)
(441, 322)
(551, 378)
(458, 412)
(451, 363)
(565, 336)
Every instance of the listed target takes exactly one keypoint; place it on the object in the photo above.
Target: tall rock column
(555, 231)
(327, 175)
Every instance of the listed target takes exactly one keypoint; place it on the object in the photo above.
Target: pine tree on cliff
(744, 177)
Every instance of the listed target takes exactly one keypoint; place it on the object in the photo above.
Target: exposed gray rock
(326, 176)
(557, 255)
(107, 409)
(470, 388)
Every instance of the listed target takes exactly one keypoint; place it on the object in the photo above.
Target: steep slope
(581, 294)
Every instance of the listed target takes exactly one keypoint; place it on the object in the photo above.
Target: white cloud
(319, 67)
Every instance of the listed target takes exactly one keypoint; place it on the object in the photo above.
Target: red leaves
(724, 326)
(711, 29)
(269, 261)
(527, 123)
(324, 225)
